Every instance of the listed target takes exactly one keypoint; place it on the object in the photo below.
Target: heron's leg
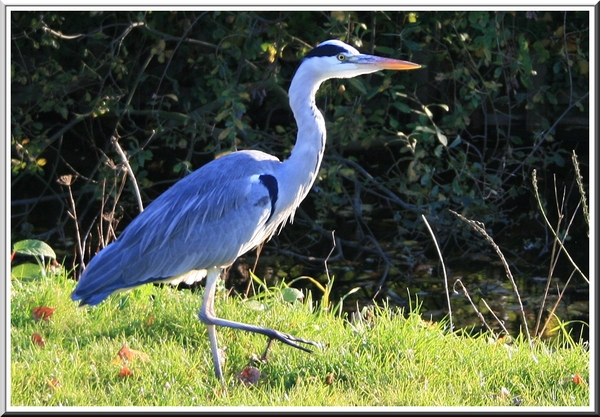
(266, 352)
(208, 317)
(207, 312)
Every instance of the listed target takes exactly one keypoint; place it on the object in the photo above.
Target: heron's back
(206, 220)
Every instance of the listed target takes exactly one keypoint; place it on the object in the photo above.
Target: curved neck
(303, 165)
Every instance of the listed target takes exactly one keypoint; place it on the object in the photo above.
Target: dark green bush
(500, 94)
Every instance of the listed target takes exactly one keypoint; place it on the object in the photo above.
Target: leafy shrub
(172, 90)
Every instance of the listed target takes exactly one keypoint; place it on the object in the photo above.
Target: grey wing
(205, 231)
(187, 228)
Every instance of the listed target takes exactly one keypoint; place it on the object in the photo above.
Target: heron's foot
(288, 339)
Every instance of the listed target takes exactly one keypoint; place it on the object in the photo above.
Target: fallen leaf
(330, 378)
(149, 320)
(54, 266)
(140, 355)
(42, 313)
(249, 376)
(125, 353)
(125, 371)
(577, 379)
(129, 355)
(38, 340)
(53, 383)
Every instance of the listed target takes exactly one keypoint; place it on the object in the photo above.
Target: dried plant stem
(466, 293)
(479, 227)
(500, 322)
(123, 156)
(67, 180)
(437, 247)
(560, 296)
(554, 260)
(558, 240)
(578, 178)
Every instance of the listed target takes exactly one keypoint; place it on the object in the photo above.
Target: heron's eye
(341, 57)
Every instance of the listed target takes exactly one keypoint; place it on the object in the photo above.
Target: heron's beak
(384, 63)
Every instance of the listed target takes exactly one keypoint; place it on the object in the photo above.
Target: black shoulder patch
(325, 50)
(270, 182)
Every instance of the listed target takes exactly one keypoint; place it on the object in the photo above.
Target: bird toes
(290, 340)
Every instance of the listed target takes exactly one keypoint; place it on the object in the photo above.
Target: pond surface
(482, 287)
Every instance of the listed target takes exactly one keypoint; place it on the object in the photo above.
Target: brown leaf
(125, 371)
(577, 379)
(330, 378)
(125, 353)
(150, 320)
(43, 313)
(54, 267)
(38, 340)
(249, 376)
(53, 383)
(129, 355)
(140, 355)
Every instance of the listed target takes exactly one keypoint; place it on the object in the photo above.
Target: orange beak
(384, 63)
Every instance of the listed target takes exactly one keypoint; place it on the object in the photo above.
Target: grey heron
(229, 206)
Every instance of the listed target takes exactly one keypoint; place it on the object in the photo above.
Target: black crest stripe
(326, 50)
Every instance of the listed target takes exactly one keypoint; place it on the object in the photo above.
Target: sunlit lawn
(71, 357)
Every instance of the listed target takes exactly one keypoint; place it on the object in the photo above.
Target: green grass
(385, 360)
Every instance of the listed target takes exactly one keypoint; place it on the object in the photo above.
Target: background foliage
(500, 94)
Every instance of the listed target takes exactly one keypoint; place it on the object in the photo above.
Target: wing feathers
(205, 220)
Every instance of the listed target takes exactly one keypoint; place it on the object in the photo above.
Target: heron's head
(335, 59)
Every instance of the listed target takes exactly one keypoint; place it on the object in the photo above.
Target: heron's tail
(102, 277)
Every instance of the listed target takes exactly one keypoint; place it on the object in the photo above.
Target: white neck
(301, 168)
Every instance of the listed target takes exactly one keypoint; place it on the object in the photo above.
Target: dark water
(485, 299)
(489, 290)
